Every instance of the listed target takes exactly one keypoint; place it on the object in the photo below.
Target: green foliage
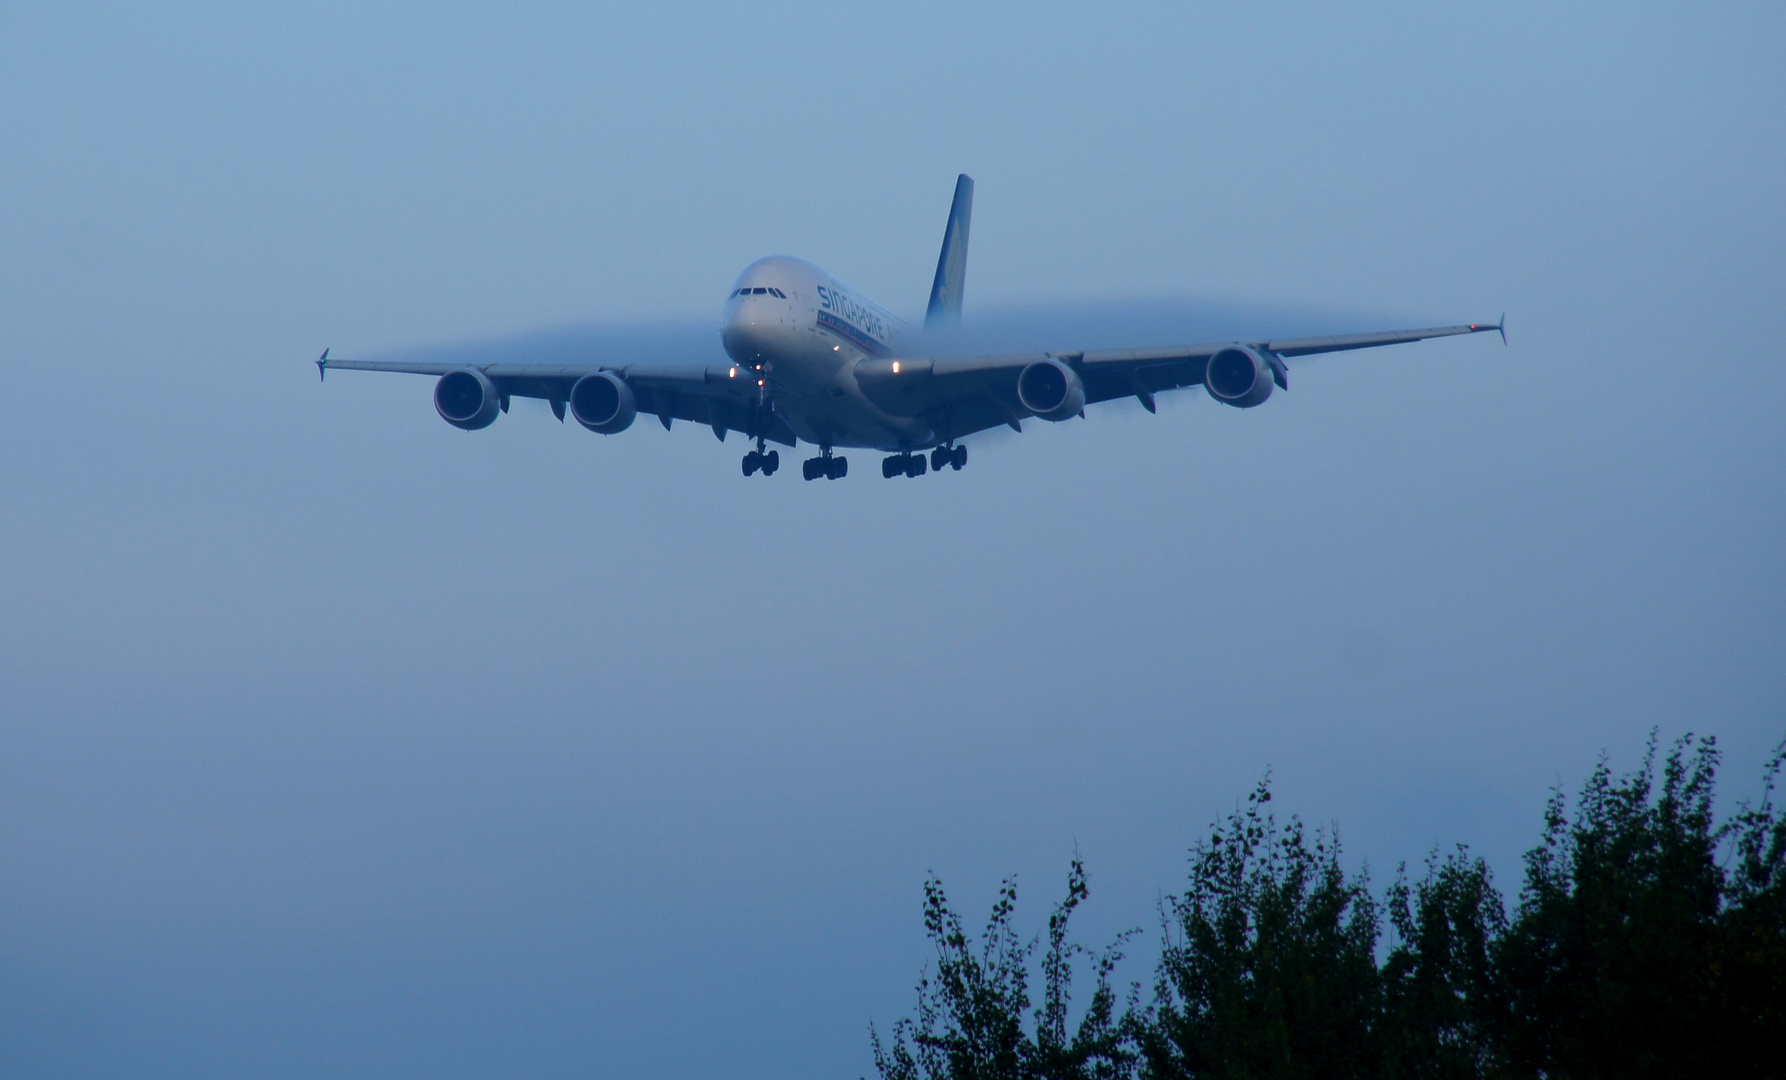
(1269, 965)
(1605, 965)
(1635, 951)
(1748, 964)
(1648, 940)
(971, 1008)
(1439, 981)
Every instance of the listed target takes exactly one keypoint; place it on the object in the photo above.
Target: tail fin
(951, 265)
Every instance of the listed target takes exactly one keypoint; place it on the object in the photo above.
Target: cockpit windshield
(759, 291)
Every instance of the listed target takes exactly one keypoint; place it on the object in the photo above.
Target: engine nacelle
(467, 399)
(1051, 390)
(1238, 376)
(604, 403)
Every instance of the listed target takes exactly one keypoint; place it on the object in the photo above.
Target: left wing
(969, 394)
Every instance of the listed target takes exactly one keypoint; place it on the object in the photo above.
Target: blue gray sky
(335, 741)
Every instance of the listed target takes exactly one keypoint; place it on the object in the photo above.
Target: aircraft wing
(721, 396)
(968, 394)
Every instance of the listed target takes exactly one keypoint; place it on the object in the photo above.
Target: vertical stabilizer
(951, 265)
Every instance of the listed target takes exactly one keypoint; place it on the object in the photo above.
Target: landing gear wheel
(831, 468)
(915, 465)
(958, 460)
(771, 462)
(752, 462)
(940, 457)
(892, 466)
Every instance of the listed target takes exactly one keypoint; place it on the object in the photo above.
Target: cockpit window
(759, 291)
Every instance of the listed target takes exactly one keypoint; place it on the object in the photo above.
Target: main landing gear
(903, 465)
(910, 464)
(831, 468)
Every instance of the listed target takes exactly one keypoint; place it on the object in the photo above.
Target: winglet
(322, 366)
(951, 265)
(1483, 328)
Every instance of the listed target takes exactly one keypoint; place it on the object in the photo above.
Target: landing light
(733, 374)
(895, 367)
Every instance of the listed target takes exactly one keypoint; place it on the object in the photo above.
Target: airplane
(814, 361)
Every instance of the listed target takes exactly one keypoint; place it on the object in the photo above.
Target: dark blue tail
(951, 265)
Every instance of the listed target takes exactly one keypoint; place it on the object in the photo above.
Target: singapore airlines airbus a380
(813, 360)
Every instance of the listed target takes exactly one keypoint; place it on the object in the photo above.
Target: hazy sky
(335, 741)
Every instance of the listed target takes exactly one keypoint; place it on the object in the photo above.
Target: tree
(1268, 968)
(1648, 940)
(1439, 980)
(1748, 962)
(1606, 968)
(972, 1008)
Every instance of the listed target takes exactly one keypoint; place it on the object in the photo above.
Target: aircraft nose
(740, 333)
(754, 322)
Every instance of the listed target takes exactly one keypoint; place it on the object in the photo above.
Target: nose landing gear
(756, 459)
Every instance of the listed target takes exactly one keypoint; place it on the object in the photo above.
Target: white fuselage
(805, 331)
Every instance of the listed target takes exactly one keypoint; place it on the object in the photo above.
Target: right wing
(969, 394)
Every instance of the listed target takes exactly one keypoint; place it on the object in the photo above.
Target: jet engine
(467, 399)
(1238, 376)
(1051, 390)
(604, 403)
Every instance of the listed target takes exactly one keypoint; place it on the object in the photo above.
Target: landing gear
(831, 468)
(906, 464)
(756, 459)
(764, 412)
(910, 464)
